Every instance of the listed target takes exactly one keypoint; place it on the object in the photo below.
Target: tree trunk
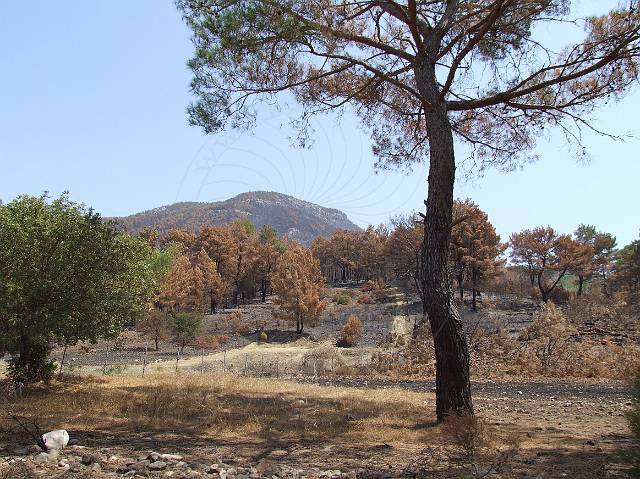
(580, 283)
(474, 290)
(157, 343)
(453, 388)
(264, 291)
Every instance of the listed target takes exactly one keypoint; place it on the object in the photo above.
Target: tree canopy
(65, 276)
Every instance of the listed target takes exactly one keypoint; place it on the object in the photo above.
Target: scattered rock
(157, 466)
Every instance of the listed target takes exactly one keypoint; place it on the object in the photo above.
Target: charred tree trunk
(580, 284)
(459, 279)
(263, 291)
(453, 389)
(474, 290)
(213, 305)
(543, 291)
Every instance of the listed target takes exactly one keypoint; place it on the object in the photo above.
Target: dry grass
(224, 406)
(326, 427)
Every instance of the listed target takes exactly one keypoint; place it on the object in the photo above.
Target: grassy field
(245, 419)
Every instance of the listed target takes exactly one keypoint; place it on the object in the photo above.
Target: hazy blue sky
(93, 97)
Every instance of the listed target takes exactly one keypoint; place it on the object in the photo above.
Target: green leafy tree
(419, 74)
(65, 276)
(184, 328)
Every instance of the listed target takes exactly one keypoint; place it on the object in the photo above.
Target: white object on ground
(55, 440)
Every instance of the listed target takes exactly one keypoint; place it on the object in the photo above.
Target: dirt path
(551, 389)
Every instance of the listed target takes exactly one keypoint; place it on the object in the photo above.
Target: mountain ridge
(292, 217)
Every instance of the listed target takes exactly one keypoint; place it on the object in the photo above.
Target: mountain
(296, 219)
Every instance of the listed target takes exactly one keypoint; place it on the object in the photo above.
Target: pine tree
(475, 246)
(544, 253)
(298, 283)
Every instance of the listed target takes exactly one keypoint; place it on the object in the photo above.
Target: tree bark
(453, 389)
(580, 283)
(474, 290)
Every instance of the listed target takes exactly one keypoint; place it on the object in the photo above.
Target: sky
(93, 97)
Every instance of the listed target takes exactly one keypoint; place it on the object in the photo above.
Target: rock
(157, 466)
(140, 465)
(57, 439)
(88, 459)
(278, 453)
(267, 468)
(170, 457)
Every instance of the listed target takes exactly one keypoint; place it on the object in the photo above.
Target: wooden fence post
(144, 359)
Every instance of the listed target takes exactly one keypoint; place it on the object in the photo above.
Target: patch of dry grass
(224, 406)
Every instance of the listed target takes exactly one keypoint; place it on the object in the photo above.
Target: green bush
(342, 299)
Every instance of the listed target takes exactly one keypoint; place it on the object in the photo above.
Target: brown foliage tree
(212, 286)
(418, 74)
(219, 244)
(404, 250)
(270, 248)
(182, 238)
(475, 246)
(298, 283)
(603, 247)
(548, 256)
(245, 257)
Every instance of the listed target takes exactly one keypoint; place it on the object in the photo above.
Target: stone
(170, 457)
(157, 466)
(88, 459)
(278, 453)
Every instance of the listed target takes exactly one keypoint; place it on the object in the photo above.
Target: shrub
(483, 452)
(364, 299)
(206, 342)
(632, 455)
(381, 296)
(561, 295)
(263, 337)
(342, 299)
(368, 286)
(351, 332)
(112, 369)
(548, 334)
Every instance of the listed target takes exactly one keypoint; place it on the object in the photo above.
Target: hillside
(291, 217)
